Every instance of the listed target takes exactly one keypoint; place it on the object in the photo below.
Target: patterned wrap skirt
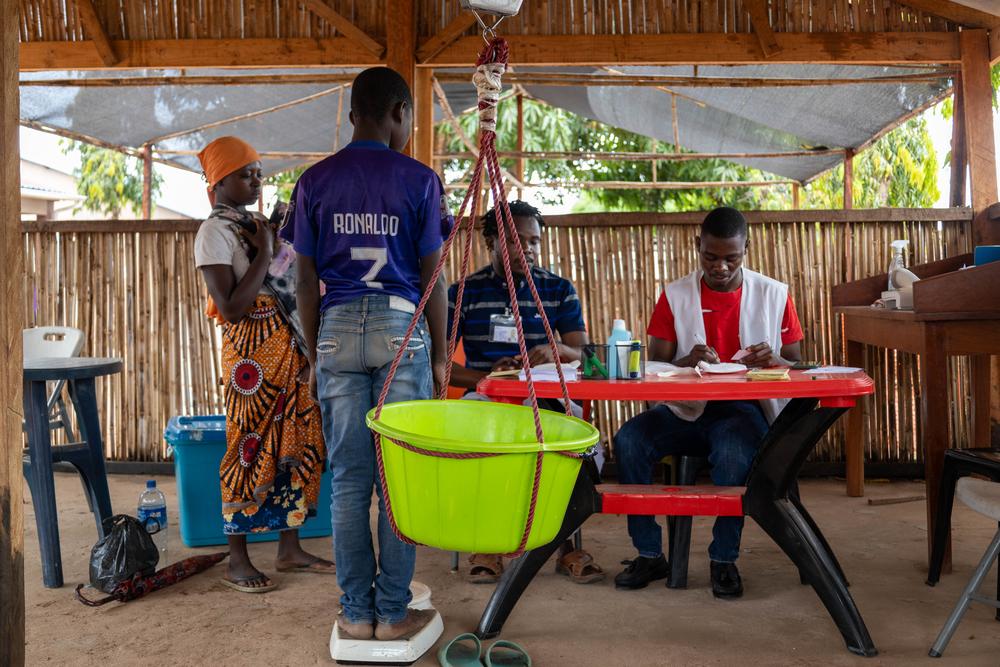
(275, 454)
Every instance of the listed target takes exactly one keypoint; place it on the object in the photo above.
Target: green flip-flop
(507, 654)
(458, 652)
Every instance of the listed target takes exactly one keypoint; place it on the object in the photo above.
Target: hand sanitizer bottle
(619, 335)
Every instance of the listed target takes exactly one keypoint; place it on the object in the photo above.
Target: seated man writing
(489, 337)
(709, 315)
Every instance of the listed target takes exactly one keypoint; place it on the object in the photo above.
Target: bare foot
(298, 559)
(415, 621)
(245, 574)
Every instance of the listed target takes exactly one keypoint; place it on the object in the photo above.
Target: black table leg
(92, 470)
(522, 571)
(787, 445)
(41, 483)
(797, 501)
(946, 499)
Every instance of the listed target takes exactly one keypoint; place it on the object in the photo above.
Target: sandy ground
(778, 622)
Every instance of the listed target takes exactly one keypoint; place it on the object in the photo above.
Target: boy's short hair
(724, 222)
(376, 91)
(518, 209)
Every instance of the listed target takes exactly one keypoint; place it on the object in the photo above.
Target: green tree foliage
(551, 129)
(109, 180)
(898, 170)
(285, 182)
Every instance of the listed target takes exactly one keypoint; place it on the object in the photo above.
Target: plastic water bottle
(619, 334)
(152, 513)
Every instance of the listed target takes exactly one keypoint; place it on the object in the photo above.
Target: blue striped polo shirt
(486, 294)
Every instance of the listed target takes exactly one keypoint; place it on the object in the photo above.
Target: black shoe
(641, 571)
(726, 581)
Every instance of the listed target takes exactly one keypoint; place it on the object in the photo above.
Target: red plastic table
(816, 402)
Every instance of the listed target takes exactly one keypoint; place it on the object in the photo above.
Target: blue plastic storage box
(198, 444)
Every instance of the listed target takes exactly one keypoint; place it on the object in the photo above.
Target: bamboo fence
(57, 20)
(132, 287)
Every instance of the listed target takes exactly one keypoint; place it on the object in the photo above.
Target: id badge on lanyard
(502, 328)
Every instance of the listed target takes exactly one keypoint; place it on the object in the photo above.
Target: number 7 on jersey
(379, 257)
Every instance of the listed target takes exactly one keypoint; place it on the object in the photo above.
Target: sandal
(462, 651)
(241, 584)
(580, 567)
(507, 654)
(486, 569)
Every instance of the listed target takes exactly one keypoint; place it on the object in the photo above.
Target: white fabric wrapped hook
(496, 7)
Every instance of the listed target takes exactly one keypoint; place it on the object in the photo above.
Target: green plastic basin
(478, 505)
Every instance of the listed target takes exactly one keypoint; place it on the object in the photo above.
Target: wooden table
(816, 402)
(935, 337)
(87, 456)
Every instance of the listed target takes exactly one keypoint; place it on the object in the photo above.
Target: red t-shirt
(722, 321)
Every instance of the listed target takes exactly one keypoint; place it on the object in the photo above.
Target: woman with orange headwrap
(270, 474)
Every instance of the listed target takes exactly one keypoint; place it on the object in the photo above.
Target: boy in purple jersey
(368, 223)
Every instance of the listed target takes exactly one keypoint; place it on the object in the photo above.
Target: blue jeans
(728, 433)
(355, 347)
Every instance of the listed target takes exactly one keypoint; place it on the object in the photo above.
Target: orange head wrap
(224, 156)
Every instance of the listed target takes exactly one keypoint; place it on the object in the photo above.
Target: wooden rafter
(761, 22)
(159, 81)
(95, 30)
(344, 26)
(181, 53)
(877, 48)
(955, 12)
(448, 34)
(664, 82)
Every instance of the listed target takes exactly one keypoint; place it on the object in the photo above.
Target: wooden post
(959, 150)
(11, 323)
(519, 165)
(977, 93)
(147, 182)
(401, 49)
(423, 102)
(978, 110)
(796, 196)
(849, 178)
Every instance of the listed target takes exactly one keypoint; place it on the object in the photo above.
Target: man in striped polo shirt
(490, 342)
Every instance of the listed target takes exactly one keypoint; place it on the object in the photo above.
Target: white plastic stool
(983, 497)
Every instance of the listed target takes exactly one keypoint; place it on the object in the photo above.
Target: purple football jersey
(367, 214)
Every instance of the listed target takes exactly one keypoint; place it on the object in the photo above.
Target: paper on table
(548, 372)
(722, 368)
(832, 370)
(665, 370)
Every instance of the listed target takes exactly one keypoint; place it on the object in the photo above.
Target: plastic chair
(42, 342)
(683, 471)
(680, 471)
(983, 497)
(958, 463)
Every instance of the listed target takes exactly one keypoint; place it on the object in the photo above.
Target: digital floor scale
(347, 651)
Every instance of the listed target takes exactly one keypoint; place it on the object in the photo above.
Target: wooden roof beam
(880, 48)
(955, 12)
(995, 46)
(181, 53)
(761, 21)
(446, 36)
(344, 26)
(95, 29)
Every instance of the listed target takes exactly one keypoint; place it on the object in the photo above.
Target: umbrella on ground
(139, 586)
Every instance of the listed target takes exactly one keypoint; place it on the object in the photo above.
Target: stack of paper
(548, 373)
(767, 374)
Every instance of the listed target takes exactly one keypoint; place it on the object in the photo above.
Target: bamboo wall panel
(637, 17)
(57, 20)
(138, 296)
